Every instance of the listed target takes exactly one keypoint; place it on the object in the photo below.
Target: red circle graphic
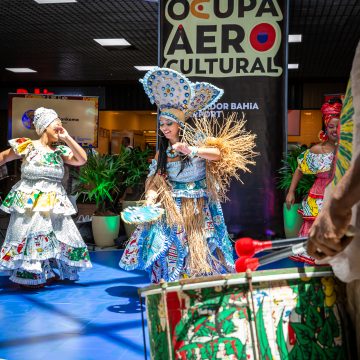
(262, 37)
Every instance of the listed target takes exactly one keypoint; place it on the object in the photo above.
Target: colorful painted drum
(274, 314)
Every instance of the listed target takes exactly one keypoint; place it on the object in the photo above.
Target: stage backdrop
(239, 46)
(78, 114)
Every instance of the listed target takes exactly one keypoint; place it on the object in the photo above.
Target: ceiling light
(112, 42)
(154, 113)
(293, 66)
(295, 38)
(21, 70)
(54, 1)
(144, 68)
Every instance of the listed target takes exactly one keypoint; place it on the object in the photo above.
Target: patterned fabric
(43, 117)
(311, 163)
(168, 88)
(41, 235)
(321, 166)
(298, 319)
(162, 250)
(344, 153)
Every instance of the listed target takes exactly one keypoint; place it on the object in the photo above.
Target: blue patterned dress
(163, 250)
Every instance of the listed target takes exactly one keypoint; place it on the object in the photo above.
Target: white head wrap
(43, 117)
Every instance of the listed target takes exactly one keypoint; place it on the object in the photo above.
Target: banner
(78, 114)
(239, 46)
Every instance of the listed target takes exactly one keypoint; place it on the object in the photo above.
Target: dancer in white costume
(41, 235)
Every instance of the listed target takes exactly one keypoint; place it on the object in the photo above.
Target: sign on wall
(239, 46)
(78, 114)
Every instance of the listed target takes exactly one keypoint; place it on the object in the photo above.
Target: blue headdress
(169, 89)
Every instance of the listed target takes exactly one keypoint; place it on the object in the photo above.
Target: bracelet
(194, 151)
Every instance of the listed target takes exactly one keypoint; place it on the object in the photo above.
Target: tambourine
(142, 214)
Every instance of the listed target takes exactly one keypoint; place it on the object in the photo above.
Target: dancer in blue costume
(188, 177)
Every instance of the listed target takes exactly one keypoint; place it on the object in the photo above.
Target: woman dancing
(41, 236)
(188, 177)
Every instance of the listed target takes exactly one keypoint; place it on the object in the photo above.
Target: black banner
(239, 46)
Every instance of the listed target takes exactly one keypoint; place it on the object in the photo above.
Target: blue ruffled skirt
(163, 251)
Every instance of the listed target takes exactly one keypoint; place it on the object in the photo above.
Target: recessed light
(144, 68)
(295, 38)
(293, 66)
(112, 42)
(55, 1)
(21, 70)
(154, 113)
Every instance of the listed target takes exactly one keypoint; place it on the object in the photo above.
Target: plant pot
(105, 229)
(292, 220)
(129, 229)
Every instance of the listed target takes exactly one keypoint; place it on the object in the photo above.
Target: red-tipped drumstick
(246, 262)
(249, 247)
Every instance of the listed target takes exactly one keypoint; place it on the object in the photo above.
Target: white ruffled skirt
(42, 240)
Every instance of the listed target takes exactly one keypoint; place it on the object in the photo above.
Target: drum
(273, 314)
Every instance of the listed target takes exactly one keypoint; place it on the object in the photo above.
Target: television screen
(78, 114)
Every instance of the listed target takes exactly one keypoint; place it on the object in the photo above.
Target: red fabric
(330, 111)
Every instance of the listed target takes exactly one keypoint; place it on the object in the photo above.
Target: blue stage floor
(97, 317)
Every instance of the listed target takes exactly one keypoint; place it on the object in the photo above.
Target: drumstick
(247, 262)
(249, 247)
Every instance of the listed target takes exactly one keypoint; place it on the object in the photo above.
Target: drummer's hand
(182, 147)
(327, 235)
(290, 199)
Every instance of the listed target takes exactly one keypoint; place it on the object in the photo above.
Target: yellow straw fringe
(162, 188)
(194, 224)
(236, 146)
(193, 221)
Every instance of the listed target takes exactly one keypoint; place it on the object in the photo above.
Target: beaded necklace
(171, 153)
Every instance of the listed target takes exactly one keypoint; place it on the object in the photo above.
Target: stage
(98, 317)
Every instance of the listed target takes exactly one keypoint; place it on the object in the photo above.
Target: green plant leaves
(103, 177)
(287, 171)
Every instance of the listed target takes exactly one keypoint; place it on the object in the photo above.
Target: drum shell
(276, 315)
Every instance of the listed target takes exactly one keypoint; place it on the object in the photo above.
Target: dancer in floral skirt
(42, 241)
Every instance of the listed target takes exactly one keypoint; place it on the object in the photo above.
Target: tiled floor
(98, 317)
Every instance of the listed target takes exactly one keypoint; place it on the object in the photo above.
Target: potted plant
(131, 181)
(292, 219)
(97, 181)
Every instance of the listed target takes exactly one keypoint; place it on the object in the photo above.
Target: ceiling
(57, 39)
